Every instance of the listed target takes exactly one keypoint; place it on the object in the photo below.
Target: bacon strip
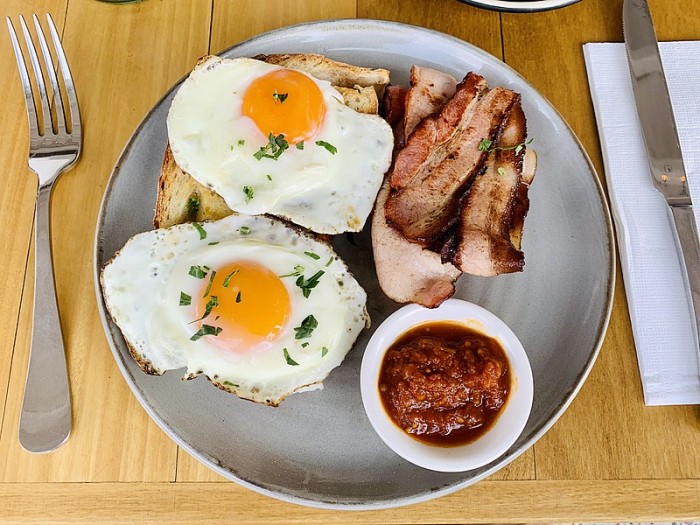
(427, 143)
(485, 245)
(407, 272)
(422, 209)
(430, 91)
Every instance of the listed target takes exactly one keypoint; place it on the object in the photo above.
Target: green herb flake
(300, 145)
(330, 261)
(324, 351)
(298, 270)
(280, 97)
(276, 145)
(330, 147)
(290, 361)
(206, 329)
(212, 303)
(227, 279)
(485, 145)
(192, 207)
(238, 296)
(185, 300)
(213, 243)
(269, 177)
(308, 325)
(304, 345)
(309, 284)
(249, 192)
(501, 171)
(202, 231)
(211, 280)
(228, 383)
(200, 272)
(314, 256)
(520, 147)
(244, 230)
(241, 142)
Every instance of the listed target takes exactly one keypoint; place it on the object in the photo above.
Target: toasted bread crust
(337, 73)
(182, 199)
(178, 191)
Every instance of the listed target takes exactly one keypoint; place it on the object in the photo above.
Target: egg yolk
(285, 102)
(247, 301)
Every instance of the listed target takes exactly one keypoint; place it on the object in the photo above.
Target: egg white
(142, 284)
(327, 193)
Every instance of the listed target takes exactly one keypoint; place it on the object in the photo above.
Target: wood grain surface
(609, 458)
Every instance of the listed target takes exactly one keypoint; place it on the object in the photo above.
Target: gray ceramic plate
(318, 448)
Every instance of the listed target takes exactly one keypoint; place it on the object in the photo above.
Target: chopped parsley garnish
(211, 280)
(501, 171)
(269, 177)
(244, 230)
(202, 231)
(485, 145)
(298, 270)
(308, 325)
(273, 149)
(309, 284)
(520, 147)
(192, 206)
(228, 383)
(280, 97)
(211, 303)
(304, 345)
(314, 256)
(227, 279)
(330, 261)
(212, 243)
(238, 296)
(200, 272)
(185, 300)
(324, 351)
(241, 142)
(300, 145)
(289, 360)
(330, 147)
(249, 192)
(206, 329)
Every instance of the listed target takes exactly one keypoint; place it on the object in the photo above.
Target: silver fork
(45, 422)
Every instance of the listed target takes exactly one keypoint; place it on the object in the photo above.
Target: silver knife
(661, 137)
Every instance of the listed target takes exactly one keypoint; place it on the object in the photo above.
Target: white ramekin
(496, 440)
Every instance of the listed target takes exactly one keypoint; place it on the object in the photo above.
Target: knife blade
(661, 138)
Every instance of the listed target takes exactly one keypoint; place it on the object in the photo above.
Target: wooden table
(608, 458)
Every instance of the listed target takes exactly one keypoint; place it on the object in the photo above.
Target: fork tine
(67, 78)
(26, 85)
(56, 100)
(39, 76)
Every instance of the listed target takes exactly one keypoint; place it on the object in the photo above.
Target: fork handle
(45, 421)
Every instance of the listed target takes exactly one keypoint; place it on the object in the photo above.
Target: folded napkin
(657, 295)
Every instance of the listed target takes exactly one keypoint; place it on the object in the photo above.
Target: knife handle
(688, 236)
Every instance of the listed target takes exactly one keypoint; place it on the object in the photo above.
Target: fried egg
(262, 309)
(274, 140)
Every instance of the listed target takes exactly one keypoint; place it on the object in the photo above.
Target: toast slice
(180, 198)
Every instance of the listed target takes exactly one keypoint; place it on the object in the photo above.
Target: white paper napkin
(657, 294)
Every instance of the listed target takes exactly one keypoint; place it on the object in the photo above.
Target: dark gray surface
(319, 448)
